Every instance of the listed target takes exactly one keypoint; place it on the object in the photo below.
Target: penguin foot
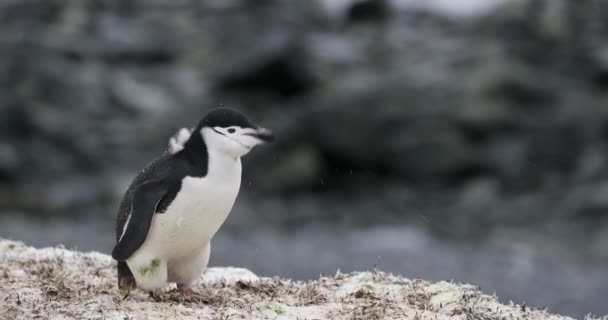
(185, 290)
(156, 295)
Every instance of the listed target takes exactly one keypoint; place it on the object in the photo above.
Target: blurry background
(437, 139)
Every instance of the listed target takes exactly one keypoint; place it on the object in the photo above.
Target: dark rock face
(374, 97)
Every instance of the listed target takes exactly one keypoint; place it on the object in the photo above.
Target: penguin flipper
(143, 205)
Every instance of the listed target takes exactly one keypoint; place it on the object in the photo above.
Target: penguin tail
(126, 281)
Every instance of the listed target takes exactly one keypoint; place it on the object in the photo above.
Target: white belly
(191, 220)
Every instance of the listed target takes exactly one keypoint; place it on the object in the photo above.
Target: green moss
(150, 269)
(276, 308)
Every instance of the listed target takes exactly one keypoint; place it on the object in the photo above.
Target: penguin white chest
(195, 215)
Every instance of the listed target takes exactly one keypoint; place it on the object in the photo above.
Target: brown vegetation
(55, 283)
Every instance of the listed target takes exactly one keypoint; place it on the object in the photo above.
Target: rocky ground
(55, 283)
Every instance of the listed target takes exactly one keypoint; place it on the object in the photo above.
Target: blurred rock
(9, 163)
(492, 116)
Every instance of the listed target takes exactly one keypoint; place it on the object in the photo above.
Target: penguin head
(230, 132)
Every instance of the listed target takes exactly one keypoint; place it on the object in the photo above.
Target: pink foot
(185, 289)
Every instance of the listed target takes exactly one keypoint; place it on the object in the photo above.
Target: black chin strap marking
(219, 132)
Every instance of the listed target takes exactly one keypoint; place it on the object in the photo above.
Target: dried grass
(55, 283)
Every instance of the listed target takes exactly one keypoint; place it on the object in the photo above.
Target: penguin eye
(231, 130)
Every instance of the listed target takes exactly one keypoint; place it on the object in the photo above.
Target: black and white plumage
(176, 204)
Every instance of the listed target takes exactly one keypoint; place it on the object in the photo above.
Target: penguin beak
(262, 134)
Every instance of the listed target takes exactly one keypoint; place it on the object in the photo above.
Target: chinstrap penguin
(176, 204)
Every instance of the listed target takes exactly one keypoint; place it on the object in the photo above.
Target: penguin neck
(223, 166)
